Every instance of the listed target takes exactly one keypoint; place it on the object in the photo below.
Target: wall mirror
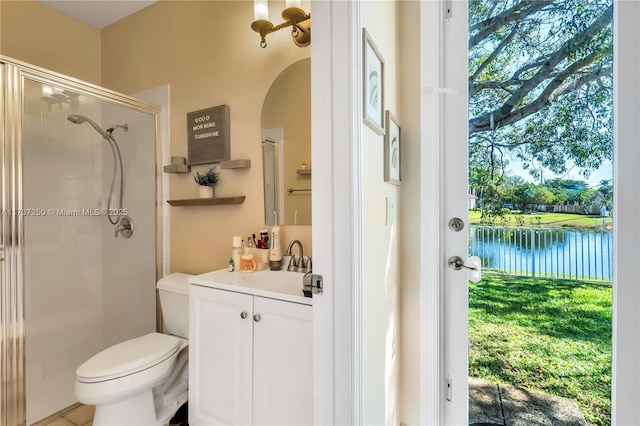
(286, 147)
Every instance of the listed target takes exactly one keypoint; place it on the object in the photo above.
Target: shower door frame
(12, 316)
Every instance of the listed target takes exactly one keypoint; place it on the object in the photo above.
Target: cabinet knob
(243, 315)
(256, 317)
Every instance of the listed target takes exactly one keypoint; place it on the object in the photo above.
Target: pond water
(579, 254)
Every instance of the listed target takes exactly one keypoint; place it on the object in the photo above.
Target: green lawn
(547, 219)
(552, 336)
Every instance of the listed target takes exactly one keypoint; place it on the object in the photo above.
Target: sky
(604, 172)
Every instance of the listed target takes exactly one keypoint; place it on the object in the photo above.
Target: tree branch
(550, 93)
(504, 85)
(516, 13)
(491, 57)
(507, 114)
(586, 78)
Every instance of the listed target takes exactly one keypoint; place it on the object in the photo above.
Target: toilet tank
(174, 302)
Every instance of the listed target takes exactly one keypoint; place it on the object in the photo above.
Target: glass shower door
(85, 288)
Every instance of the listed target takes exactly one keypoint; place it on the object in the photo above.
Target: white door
(625, 392)
(454, 101)
(626, 292)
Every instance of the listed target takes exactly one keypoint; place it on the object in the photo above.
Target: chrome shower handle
(124, 227)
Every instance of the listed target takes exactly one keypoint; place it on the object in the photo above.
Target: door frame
(625, 374)
(336, 211)
(626, 294)
(431, 217)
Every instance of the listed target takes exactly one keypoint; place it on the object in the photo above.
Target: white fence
(544, 252)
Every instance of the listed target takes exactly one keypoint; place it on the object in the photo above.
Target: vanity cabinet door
(282, 363)
(220, 352)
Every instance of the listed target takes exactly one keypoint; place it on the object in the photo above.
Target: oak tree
(540, 85)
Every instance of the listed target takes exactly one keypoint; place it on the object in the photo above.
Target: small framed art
(391, 149)
(372, 84)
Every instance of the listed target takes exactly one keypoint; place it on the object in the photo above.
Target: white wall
(381, 236)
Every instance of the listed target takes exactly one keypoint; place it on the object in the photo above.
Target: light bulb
(261, 9)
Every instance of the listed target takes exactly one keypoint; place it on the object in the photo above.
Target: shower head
(79, 119)
(76, 119)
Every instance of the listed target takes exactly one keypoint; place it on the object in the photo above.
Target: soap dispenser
(275, 252)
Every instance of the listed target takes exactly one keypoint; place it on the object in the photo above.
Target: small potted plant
(207, 181)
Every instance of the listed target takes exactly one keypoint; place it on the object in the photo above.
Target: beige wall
(381, 232)
(209, 56)
(42, 36)
(411, 396)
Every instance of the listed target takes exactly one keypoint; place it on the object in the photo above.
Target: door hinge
(449, 385)
(312, 284)
(448, 9)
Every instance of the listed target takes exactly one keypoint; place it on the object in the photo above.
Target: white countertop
(281, 285)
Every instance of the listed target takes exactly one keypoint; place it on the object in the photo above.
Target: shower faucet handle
(124, 227)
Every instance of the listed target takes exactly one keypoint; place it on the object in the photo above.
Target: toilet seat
(129, 357)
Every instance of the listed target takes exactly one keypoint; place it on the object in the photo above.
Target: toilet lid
(129, 357)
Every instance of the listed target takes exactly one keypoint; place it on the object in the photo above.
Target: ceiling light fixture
(294, 17)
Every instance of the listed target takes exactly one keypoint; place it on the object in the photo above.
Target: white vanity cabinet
(250, 358)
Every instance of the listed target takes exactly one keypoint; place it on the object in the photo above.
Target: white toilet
(142, 381)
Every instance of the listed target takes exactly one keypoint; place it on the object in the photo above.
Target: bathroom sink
(282, 285)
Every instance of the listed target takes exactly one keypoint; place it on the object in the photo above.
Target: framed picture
(373, 84)
(392, 150)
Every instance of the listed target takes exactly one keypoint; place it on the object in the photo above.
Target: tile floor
(79, 416)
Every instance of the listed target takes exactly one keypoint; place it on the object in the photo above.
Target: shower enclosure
(71, 285)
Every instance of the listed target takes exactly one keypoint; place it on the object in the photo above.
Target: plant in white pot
(207, 181)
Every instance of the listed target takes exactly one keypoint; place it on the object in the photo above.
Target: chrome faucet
(291, 247)
(299, 264)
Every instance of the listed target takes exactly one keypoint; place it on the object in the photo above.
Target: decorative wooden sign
(208, 135)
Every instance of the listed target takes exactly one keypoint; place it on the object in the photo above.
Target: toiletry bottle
(236, 252)
(263, 243)
(275, 252)
(230, 265)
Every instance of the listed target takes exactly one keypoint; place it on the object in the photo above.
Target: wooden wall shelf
(177, 168)
(178, 165)
(235, 164)
(208, 201)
